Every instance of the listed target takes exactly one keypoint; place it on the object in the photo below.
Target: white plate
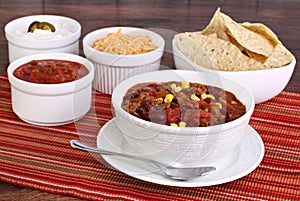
(234, 165)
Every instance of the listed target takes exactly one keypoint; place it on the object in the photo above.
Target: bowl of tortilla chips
(248, 53)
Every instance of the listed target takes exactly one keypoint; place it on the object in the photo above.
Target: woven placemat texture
(41, 157)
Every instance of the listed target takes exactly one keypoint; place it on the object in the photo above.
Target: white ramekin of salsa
(42, 34)
(51, 89)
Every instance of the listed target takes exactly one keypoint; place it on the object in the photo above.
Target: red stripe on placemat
(41, 157)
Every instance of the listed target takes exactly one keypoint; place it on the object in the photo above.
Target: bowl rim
(13, 38)
(44, 89)
(98, 56)
(95, 32)
(182, 130)
(182, 56)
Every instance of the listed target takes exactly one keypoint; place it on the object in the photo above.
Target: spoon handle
(80, 145)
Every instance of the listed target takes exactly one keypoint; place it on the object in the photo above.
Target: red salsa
(182, 104)
(50, 71)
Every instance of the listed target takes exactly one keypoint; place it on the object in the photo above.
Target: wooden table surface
(172, 16)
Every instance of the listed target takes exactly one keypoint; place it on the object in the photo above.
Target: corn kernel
(173, 124)
(219, 105)
(182, 124)
(160, 99)
(168, 98)
(204, 96)
(185, 85)
(211, 96)
(233, 102)
(195, 98)
(173, 86)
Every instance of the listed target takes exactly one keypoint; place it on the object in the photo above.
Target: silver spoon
(176, 173)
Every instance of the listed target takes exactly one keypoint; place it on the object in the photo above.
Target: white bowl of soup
(176, 130)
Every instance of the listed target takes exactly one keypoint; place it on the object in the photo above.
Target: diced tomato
(173, 115)
(203, 104)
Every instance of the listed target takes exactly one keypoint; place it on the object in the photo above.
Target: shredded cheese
(124, 44)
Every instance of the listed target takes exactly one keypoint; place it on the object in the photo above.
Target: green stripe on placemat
(41, 157)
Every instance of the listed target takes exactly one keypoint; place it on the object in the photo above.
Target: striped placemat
(41, 157)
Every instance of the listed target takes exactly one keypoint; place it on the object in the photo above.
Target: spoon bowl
(176, 173)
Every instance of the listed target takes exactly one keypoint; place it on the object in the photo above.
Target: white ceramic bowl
(20, 43)
(263, 84)
(51, 104)
(110, 69)
(186, 146)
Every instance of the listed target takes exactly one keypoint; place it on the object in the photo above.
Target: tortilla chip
(255, 56)
(192, 50)
(223, 55)
(216, 25)
(263, 31)
(226, 45)
(279, 57)
(249, 40)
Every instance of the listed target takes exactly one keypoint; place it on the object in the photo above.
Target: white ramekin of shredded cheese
(22, 42)
(128, 51)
